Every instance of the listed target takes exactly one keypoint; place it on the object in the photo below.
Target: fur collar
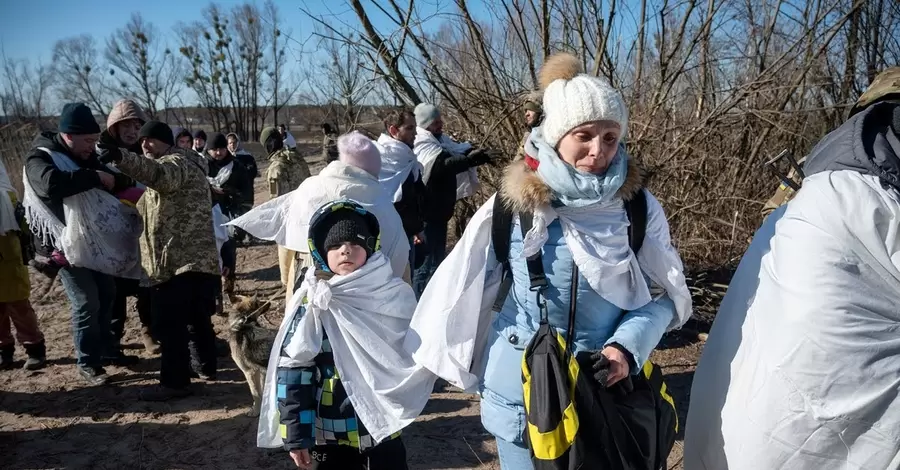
(522, 190)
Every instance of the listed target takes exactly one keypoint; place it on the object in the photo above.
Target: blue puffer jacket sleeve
(640, 330)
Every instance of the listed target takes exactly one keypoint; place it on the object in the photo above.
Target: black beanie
(183, 133)
(77, 118)
(218, 141)
(200, 135)
(343, 226)
(157, 130)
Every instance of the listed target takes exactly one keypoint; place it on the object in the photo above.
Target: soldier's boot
(150, 344)
(37, 356)
(6, 356)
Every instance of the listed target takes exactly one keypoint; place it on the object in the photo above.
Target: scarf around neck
(570, 186)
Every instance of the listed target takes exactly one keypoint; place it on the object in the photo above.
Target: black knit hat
(77, 118)
(200, 134)
(217, 141)
(157, 130)
(344, 226)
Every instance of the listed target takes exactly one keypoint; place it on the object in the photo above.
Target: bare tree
(25, 89)
(78, 72)
(282, 89)
(140, 64)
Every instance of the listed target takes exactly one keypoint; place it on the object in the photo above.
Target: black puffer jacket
(441, 186)
(411, 206)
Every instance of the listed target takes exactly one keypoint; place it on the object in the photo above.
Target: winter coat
(177, 211)
(401, 175)
(124, 110)
(441, 181)
(51, 184)
(238, 189)
(14, 282)
(598, 322)
(800, 369)
(287, 169)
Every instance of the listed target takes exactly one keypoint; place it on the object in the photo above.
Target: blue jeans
(435, 252)
(513, 456)
(91, 297)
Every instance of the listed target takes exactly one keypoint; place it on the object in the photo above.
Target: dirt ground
(50, 419)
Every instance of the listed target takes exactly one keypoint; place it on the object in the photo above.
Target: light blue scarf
(570, 186)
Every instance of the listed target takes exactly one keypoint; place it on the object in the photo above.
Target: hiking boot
(150, 344)
(93, 375)
(6, 356)
(163, 393)
(121, 360)
(37, 356)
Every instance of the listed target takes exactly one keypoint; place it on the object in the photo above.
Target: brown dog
(250, 344)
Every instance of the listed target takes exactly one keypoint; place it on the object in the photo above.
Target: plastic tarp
(802, 367)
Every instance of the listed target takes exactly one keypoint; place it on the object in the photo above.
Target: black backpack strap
(501, 231)
(636, 210)
(501, 234)
(536, 276)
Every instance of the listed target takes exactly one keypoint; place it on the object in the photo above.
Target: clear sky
(29, 28)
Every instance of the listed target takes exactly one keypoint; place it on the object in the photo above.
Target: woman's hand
(301, 458)
(618, 365)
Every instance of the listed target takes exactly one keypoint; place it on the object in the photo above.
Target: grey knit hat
(426, 114)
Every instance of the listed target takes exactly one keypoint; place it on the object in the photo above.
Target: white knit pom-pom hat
(572, 98)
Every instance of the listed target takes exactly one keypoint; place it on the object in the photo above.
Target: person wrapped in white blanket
(449, 174)
(340, 386)
(802, 367)
(573, 183)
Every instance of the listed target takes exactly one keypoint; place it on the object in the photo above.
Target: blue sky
(28, 29)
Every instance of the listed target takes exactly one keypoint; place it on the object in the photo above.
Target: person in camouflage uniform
(178, 254)
(329, 144)
(885, 87)
(287, 169)
(534, 115)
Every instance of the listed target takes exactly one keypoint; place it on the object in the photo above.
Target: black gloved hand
(108, 153)
(479, 156)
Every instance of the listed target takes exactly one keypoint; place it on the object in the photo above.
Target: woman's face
(590, 147)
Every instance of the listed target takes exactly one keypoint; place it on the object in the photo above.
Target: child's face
(346, 258)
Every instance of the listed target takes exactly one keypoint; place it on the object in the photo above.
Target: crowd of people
(567, 275)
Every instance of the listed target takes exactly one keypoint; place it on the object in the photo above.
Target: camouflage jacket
(784, 193)
(177, 210)
(287, 169)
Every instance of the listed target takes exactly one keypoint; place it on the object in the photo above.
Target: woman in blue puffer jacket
(573, 181)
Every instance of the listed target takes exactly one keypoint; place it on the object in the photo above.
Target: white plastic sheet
(366, 315)
(802, 367)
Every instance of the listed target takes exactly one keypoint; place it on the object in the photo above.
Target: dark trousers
(390, 455)
(435, 252)
(129, 288)
(91, 296)
(181, 309)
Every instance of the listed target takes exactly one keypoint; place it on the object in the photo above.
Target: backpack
(501, 235)
(571, 423)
